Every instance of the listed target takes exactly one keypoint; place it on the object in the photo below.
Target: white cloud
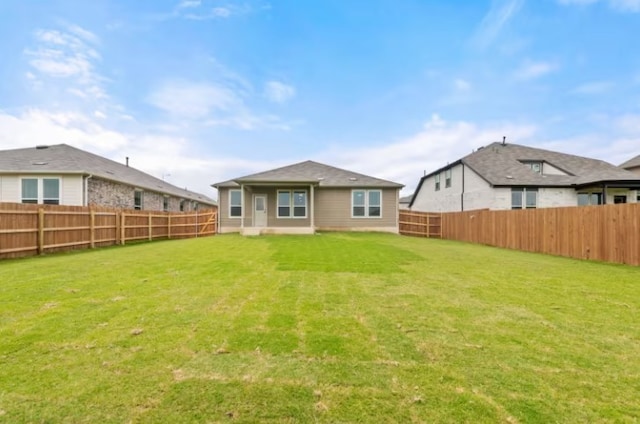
(594, 87)
(279, 92)
(67, 55)
(155, 154)
(631, 6)
(191, 100)
(213, 104)
(628, 124)
(204, 10)
(461, 85)
(532, 70)
(438, 143)
(186, 4)
(498, 16)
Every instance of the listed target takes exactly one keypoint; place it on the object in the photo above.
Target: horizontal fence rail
(420, 224)
(609, 233)
(27, 229)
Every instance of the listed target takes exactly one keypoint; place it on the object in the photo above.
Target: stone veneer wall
(113, 195)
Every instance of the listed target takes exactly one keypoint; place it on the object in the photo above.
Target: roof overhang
(628, 184)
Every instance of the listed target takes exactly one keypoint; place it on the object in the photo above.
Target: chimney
(127, 158)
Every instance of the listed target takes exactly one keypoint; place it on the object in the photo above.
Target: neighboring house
(632, 165)
(63, 175)
(510, 176)
(306, 197)
(405, 201)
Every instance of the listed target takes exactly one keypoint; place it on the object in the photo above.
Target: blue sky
(200, 91)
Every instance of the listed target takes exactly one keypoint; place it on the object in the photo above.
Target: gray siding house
(306, 197)
(64, 175)
(511, 176)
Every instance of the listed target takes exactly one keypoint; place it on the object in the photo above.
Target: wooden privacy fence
(27, 229)
(608, 233)
(420, 224)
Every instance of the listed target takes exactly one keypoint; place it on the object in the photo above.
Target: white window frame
(523, 198)
(141, 205)
(447, 177)
(40, 199)
(165, 203)
(532, 165)
(367, 204)
(231, 205)
(292, 204)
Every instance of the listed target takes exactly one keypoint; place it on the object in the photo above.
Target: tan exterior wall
(70, 188)
(226, 224)
(332, 210)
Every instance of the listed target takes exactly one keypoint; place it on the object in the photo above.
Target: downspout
(312, 205)
(243, 206)
(462, 194)
(86, 190)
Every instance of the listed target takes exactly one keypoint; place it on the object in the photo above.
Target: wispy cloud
(531, 70)
(213, 104)
(496, 19)
(624, 6)
(69, 54)
(204, 10)
(439, 142)
(461, 85)
(593, 87)
(278, 92)
(194, 100)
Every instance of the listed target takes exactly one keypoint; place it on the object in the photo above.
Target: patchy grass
(327, 328)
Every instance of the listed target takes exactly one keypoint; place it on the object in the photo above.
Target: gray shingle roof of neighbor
(310, 172)
(64, 159)
(502, 165)
(631, 163)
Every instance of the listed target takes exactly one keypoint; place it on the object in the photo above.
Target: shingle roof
(310, 172)
(631, 163)
(64, 159)
(502, 165)
(406, 199)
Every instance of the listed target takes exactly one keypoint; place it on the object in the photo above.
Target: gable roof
(631, 163)
(502, 165)
(310, 172)
(64, 159)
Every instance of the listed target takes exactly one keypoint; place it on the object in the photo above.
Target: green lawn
(330, 328)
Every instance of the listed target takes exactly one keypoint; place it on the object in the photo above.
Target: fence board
(28, 229)
(608, 233)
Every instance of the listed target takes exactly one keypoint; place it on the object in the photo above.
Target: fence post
(40, 231)
(92, 229)
(196, 223)
(117, 218)
(123, 228)
(169, 226)
(149, 227)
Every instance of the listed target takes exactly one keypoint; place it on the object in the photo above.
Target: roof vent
(509, 177)
(39, 163)
(42, 147)
(320, 178)
(353, 179)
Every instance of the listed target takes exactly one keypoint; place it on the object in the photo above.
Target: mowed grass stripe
(326, 328)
